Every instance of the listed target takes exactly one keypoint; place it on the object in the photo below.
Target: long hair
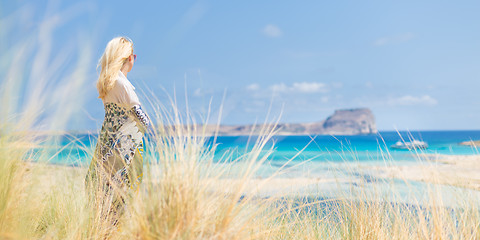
(112, 60)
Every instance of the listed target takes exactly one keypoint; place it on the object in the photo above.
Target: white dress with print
(118, 154)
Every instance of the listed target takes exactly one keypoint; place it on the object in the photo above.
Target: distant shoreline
(458, 171)
(85, 132)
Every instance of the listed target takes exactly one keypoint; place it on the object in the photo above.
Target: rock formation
(342, 122)
(350, 122)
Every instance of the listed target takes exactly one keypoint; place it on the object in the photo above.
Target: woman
(117, 164)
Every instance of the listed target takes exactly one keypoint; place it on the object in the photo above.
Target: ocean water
(77, 149)
(344, 163)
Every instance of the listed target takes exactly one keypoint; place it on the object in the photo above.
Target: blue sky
(416, 64)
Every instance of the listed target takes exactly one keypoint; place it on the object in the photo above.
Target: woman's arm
(140, 115)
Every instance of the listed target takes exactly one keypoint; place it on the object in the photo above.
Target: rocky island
(475, 143)
(342, 122)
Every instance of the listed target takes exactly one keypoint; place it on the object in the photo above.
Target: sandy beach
(456, 170)
(371, 192)
(450, 170)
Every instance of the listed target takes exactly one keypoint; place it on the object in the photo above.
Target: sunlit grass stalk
(190, 193)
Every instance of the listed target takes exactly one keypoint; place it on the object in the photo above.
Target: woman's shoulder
(123, 92)
(122, 80)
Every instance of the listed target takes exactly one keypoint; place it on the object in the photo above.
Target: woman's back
(117, 164)
(122, 93)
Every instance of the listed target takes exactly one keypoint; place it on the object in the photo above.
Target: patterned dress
(117, 164)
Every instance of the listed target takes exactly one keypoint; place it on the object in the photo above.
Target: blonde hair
(112, 60)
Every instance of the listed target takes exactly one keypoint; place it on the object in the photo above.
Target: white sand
(346, 180)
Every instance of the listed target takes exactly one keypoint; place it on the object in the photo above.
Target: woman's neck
(124, 71)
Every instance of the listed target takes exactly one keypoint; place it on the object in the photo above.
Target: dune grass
(187, 195)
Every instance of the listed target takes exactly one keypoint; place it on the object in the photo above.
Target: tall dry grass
(185, 194)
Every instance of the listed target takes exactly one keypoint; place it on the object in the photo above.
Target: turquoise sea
(76, 149)
(342, 162)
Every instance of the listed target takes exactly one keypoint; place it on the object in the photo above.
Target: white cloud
(369, 84)
(271, 30)
(394, 39)
(253, 87)
(198, 92)
(411, 100)
(201, 92)
(302, 87)
(281, 87)
(309, 87)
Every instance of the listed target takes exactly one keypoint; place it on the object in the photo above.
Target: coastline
(458, 171)
(455, 170)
